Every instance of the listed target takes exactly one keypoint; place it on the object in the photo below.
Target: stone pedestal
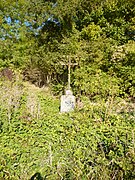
(67, 102)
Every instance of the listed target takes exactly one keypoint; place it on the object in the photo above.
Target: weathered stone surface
(67, 102)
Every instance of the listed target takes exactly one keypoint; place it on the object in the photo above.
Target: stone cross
(68, 100)
(69, 64)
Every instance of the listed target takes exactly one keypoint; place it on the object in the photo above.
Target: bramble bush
(96, 141)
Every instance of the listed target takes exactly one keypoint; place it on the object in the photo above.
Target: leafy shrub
(94, 142)
(94, 82)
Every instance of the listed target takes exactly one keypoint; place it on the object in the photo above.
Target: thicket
(96, 141)
(98, 35)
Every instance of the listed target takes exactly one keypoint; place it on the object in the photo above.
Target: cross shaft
(69, 64)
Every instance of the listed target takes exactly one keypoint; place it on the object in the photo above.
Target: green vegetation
(98, 35)
(97, 140)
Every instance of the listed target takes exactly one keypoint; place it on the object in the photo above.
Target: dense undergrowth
(96, 141)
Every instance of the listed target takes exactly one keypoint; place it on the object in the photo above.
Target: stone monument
(67, 102)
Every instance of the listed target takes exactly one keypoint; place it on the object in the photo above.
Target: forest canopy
(35, 36)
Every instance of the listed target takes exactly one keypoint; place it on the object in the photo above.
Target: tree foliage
(95, 34)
